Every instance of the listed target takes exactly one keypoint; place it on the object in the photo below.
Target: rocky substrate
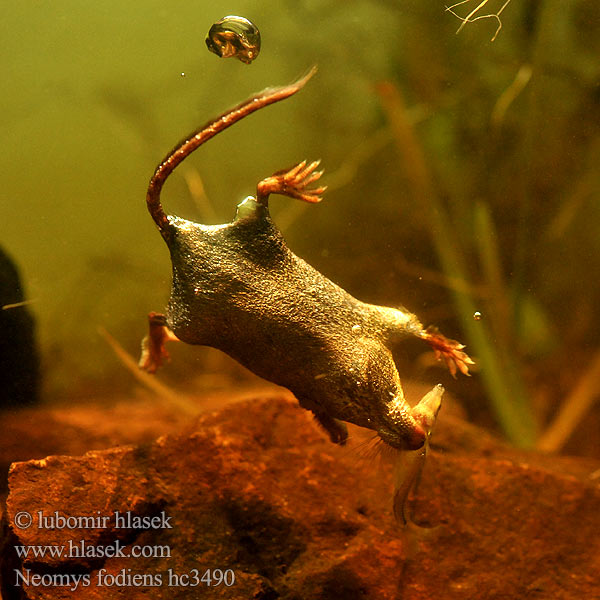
(256, 490)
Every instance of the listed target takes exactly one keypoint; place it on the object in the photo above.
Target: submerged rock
(257, 489)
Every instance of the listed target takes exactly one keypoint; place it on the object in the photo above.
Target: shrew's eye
(234, 36)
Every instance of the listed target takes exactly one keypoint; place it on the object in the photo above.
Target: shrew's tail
(198, 137)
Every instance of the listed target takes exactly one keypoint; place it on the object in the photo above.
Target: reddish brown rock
(259, 490)
(84, 424)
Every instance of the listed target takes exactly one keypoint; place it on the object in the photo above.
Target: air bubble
(234, 36)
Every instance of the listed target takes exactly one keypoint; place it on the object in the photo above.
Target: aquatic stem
(548, 40)
(498, 299)
(176, 399)
(510, 94)
(573, 408)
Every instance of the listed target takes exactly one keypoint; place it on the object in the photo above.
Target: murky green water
(467, 186)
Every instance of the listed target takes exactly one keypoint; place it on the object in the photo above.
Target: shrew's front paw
(293, 182)
(337, 430)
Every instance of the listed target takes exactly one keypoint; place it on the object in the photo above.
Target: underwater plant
(474, 15)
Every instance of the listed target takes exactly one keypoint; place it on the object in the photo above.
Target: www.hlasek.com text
(85, 549)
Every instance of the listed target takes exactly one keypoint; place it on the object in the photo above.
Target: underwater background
(463, 183)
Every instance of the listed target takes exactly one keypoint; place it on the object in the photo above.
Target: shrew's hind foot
(154, 353)
(449, 350)
(293, 183)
